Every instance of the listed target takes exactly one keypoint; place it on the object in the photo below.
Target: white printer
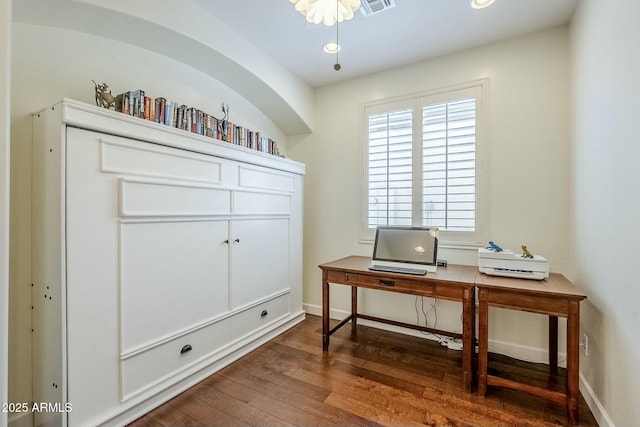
(509, 264)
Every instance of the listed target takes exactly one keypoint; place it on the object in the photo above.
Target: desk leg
(553, 345)
(573, 361)
(483, 341)
(354, 308)
(468, 331)
(325, 311)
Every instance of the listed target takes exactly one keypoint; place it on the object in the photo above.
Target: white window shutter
(423, 160)
(390, 168)
(449, 165)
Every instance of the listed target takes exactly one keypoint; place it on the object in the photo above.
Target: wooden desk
(454, 282)
(555, 297)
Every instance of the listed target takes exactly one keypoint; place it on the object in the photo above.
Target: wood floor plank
(301, 401)
(276, 379)
(238, 408)
(424, 377)
(203, 413)
(164, 416)
(368, 378)
(278, 408)
(370, 412)
(409, 405)
(311, 346)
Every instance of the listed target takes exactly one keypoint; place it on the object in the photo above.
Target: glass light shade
(331, 47)
(326, 11)
(480, 4)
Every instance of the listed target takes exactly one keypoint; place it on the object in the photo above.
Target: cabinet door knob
(186, 348)
(237, 240)
(226, 241)
(264, 313)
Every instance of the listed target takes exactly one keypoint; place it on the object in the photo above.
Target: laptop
(411, 250)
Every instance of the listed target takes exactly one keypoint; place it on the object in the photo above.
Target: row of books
(160, 110)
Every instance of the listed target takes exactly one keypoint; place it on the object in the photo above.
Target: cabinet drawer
(166, 361)
(389, 283)
(256, 317)
(263, 178)
(261, 203)
(141, 198)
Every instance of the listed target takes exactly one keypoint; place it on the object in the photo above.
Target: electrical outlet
(585, 344)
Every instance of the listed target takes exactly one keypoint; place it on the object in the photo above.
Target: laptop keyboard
(395, 269)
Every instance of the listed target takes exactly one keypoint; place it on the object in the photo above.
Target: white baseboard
(601, 416)
(526, 353)
(24, 419)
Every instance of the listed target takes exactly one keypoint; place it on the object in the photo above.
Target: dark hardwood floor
(372, 378)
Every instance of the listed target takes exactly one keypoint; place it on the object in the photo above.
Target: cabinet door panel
(173, 277)
(259, 259)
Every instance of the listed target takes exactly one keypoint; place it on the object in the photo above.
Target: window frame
(416, 102)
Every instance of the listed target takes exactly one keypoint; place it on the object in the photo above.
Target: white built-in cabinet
(159, 256)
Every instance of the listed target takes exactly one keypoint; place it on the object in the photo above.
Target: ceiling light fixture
(331, 47)
(327, 11)
(481, 4)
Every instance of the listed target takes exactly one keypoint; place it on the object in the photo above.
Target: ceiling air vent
(369, 7)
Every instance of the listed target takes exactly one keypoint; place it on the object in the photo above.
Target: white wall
(528, 170)
(5, 86)
(606, 200)
(49, 64)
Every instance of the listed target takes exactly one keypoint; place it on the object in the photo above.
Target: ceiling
(414, 30)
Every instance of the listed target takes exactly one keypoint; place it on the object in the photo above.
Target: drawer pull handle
(264, 313)
(187, 348)
(387, 283)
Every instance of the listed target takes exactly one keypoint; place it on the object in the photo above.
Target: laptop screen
(414, 245)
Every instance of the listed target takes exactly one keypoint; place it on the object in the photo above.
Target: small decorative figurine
(104, 98)
(494, 247)
(225, 121)
(525, 252)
